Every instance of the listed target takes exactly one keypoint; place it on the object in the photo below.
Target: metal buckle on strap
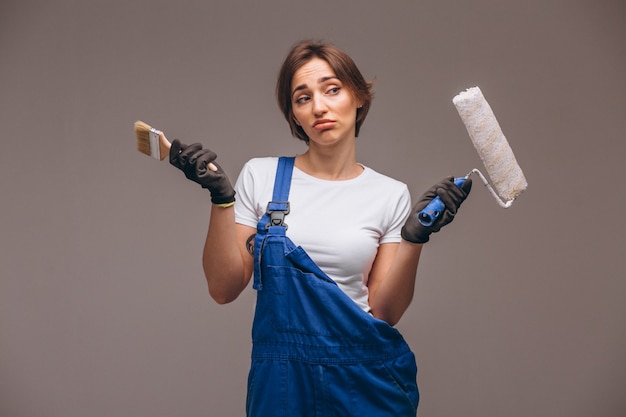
(277, 211)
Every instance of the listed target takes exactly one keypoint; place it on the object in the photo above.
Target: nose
(319, 105)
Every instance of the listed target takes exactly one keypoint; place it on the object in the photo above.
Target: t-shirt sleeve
(398, 215)
(245, 206)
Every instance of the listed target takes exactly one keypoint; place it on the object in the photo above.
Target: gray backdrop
(103, 306)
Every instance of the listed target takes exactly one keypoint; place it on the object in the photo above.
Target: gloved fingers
(175, 149)
(467, 186)
(201, 156)
(201, 161)
(425, 198)
(188, 152)
(452, 195)
(208, 176)
(450, 198)
(451, 188)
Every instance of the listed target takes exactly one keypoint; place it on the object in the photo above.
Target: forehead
(312, 72)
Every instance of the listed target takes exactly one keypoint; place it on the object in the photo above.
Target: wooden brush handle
(164, 148)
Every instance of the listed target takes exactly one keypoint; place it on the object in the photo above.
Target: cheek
(349, 111)
(348, 107)
(297, 118)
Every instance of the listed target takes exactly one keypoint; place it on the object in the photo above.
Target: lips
(323, 124)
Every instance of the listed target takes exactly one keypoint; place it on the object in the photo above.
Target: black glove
(194, 161)
(451, 195)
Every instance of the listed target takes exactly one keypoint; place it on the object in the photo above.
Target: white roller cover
(494, 150)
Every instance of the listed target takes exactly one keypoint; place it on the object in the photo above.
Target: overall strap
(273, 221)
(278, 208)
(282, 183)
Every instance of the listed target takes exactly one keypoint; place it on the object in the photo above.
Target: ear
(296, 121)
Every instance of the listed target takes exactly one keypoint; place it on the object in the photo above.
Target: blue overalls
(315, 352)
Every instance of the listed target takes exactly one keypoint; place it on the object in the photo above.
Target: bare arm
(227, 264)
(392, 280)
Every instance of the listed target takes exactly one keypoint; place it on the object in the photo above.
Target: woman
(333, 247)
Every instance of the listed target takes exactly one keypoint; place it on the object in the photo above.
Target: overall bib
(315, 352)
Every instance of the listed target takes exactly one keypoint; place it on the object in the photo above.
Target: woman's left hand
(450, 194)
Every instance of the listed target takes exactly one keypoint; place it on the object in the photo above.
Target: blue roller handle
(433, 210)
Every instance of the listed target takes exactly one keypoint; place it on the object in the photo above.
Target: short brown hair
(345, 69)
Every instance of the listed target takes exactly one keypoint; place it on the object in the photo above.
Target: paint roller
(494, 151)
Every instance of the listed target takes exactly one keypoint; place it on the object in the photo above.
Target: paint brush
(152, 142)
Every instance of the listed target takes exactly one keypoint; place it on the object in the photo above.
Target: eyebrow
(319, 81)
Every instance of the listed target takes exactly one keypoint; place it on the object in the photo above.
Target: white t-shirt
(340, 224)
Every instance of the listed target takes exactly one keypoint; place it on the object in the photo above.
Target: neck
(330, 164)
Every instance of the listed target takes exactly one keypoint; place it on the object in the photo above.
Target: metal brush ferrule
(155, 148)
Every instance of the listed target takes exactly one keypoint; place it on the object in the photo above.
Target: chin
(328, 138)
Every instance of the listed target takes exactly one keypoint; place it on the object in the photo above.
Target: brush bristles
(143, 146)
(142, 133)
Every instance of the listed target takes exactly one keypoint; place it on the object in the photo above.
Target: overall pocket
(402, 372)
(307, 304)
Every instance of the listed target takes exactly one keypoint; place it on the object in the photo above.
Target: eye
(333, 90)
(302, 99)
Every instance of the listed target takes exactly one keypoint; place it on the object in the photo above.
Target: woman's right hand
(194, 161)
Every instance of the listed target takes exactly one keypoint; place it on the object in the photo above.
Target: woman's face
(322, 106)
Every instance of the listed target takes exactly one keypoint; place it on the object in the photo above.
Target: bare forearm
(222, 257)
(390, 298)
